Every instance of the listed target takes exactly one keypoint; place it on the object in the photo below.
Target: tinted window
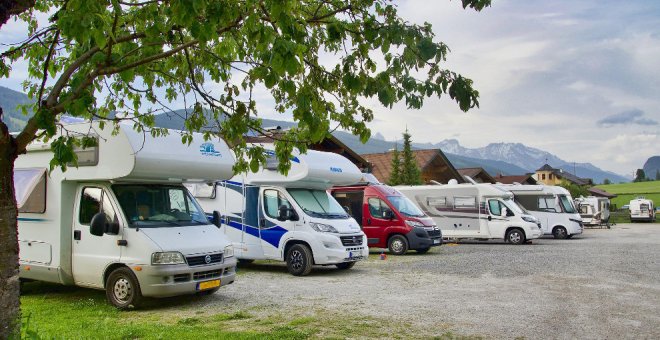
(93, 201)
(377, 207)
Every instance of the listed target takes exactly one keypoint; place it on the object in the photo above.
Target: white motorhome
(289, 218)
(551, 205)
(479, 211)
(122, 221)
(641, 209)
(593, 210)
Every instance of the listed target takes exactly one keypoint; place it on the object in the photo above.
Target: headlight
(529, 219)
(168, 257)
(414, 224)
(324, 228)
(229, 251)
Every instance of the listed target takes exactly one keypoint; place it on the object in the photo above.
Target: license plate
(436, 241)
(208, 284)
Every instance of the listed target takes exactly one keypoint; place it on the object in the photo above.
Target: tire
(397, 244)
(515, 236)
(559, 233)
(345, 265)
(245, 261)
(569, 236)
(299, 260)
(423, 250)
(123, 289)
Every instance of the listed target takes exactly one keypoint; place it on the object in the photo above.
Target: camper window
(566, 204)
(436, 202)
(467, 202)
(494, 207)
(547, 203)
(30, 190)
(93, 201)
(378, 208)
(318, 203)
(273, 200)
(158, 205)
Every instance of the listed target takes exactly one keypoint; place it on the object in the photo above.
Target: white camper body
(289, 218)
(641, 209)
(479, 211)
(593, 210)
(122, 221)
(551, 205)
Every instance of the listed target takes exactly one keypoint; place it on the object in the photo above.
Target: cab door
(498, 220)
(92, 254)
(376, 219)
(271, 229)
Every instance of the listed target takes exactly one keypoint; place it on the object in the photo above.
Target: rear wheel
(345, 265)
(299, 260)
(560, 233)
(123, 289)
(515, 236)
(398, 245)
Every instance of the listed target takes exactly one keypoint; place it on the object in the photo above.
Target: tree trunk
(9, 284)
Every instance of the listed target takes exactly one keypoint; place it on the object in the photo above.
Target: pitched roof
(546, 167)
(600, 192)
(566, 175)
(522, 179)
(432, 163)
(478, 174)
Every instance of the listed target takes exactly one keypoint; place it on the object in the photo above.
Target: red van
(389, 219)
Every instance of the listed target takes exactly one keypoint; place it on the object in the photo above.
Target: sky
(579, 79)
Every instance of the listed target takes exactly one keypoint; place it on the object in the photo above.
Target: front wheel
(398, 245)
(299, 260)
(560, 233)
(515, 236)
(123, 289)
(345, 265)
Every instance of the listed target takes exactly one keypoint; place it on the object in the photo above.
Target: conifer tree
(410, 173)
(395, 175)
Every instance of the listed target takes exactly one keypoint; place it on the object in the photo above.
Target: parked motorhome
(593, 210)
(289, 218)
(641, 209)
(479, 211)
(388, 218)
(551, 205)
(122, 220)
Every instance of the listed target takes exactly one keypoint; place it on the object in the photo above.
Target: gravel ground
(603, 284)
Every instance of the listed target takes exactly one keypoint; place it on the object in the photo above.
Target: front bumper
(332, 250)
(172, 280)
(419, 238)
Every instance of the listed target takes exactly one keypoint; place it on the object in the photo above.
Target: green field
(628, 191)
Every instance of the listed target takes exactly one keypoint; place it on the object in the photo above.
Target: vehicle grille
(202, 259)
(434, 233)
(348, 241)
(181, 277)
(207, 275)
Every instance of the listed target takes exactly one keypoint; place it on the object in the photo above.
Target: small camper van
(122, 220)
(552, 206)
(479, 211)
(594, 210)
(289, 218)
(388, 218)
(641, 209)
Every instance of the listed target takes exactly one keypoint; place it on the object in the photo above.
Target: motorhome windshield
(318, 203)
(511, 204)
(405, 206)
(153, 206)
(566, 204)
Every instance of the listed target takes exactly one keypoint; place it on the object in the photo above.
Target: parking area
(602, 284)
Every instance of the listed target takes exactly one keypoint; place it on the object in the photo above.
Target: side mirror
(216, 220)
(347, 209)
(98, 224)
(284, 213)
(388, 214)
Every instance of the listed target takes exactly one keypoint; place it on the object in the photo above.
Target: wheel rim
(514, 237)
(122, 289)
(397, 246)
(297, 260)
(561, 233)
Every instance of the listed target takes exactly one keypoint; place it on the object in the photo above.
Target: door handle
(368, 221)
(76, 235)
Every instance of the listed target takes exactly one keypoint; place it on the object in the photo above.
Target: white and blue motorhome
(289, 218)
(122, 220)
(552, 205)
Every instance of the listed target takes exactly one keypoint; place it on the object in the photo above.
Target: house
(433, 165)
(600, 193)
(479, 175)
(526, 179)
(551, 176)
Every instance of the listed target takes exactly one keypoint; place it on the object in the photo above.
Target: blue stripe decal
(271, 235)
(27, 219)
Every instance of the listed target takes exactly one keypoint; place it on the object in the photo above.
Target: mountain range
(495, 158)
